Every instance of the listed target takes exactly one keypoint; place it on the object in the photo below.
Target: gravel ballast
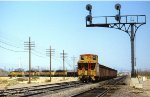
(128, 91)
(72, 91)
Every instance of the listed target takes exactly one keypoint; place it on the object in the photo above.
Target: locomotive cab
(87, 67)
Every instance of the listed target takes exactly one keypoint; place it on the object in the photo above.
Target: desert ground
(16, 82)
(123, 91)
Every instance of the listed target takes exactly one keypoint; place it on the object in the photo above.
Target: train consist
(44, 73)
(90, 70)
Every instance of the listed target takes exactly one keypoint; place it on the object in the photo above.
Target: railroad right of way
(101, 90)
(100, 86)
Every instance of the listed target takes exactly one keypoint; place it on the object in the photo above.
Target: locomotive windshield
(94, 57)
(92, 66)
(82, 57)
(85, 66)
(80, 66)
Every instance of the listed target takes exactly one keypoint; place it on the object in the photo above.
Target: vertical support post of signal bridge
(132, 50)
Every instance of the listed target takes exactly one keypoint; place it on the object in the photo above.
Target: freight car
(43, 73)
(72, 74)
(90, 70)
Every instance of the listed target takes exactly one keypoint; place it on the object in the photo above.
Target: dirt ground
(18, 82)
(128, 91)
(122, 91)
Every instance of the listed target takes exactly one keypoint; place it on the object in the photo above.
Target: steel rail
(35, 90)
(102, 91)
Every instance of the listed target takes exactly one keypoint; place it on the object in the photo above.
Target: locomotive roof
(88, 54)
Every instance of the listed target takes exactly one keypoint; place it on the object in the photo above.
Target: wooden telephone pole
(49, 52)
(64, 56)
(29, 45)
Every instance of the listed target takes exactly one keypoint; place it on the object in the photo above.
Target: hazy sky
(61, 24)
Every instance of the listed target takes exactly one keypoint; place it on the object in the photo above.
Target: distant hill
(3, 72)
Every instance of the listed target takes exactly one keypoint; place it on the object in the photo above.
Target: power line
(39, 52)
(38, 55)
(11, 49)
(68, 63)
(9, 44)
(57, 59)
(74, 58)
(12, 41)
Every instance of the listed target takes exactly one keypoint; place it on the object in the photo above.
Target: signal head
(89, 18)
(117, 17)
(118, 6)
(89, 7)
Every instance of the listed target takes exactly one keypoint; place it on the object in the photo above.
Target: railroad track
(100, 90)
(38, 90)
(95, 92)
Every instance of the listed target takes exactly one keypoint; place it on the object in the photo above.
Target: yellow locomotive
(90, 70)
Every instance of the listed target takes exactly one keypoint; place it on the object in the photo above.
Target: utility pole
(38, 69)
(49, 52)
(74, 65)
(29, 45)
(122, 23)
(64, 56)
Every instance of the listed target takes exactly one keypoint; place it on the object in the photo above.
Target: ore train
(90, 70)
(44, 73)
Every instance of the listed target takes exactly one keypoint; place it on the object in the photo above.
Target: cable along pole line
(29, 45)
(49, 53)
(123, 23)
(74, 69)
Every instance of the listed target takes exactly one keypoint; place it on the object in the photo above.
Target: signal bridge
(126, 23)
